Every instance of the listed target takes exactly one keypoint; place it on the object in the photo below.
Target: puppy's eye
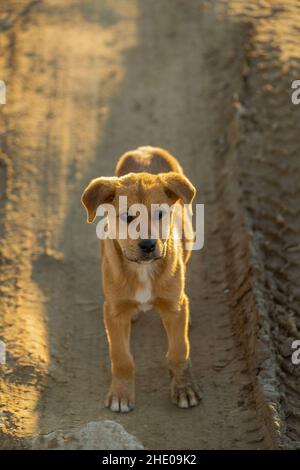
(158, 214)
(126, 217)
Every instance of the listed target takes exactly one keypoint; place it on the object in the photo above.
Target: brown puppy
(144, 273)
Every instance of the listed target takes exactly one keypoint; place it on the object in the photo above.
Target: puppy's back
(148, 159)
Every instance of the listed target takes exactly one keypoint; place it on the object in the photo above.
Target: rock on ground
(96, 435)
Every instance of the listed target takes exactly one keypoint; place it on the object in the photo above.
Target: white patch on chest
(144, 293)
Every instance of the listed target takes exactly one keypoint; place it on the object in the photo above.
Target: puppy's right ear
(99, 191)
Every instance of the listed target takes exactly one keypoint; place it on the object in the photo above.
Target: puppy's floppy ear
(97, 192)
(177, 186)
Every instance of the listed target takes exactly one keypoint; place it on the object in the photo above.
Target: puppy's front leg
(118, 325)
(184, 391)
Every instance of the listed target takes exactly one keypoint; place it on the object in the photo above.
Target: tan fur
(147, 175)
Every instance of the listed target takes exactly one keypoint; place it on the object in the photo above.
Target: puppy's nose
(147, 245)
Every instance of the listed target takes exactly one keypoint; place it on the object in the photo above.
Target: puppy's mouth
(144, 259)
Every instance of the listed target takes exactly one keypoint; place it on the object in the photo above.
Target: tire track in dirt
(104, 80)
(268, 154)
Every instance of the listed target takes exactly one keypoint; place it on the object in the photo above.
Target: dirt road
(86, 81)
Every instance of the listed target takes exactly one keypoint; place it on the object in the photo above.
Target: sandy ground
(86, 81)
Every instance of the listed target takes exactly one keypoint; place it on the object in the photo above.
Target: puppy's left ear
(177, 186)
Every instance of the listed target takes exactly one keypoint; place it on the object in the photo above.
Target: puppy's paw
(185, 392)
(120, 399)
(185, 396)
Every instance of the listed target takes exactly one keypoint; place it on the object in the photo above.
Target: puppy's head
(141, 212)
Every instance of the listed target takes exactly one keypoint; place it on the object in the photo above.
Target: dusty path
(87, 81)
